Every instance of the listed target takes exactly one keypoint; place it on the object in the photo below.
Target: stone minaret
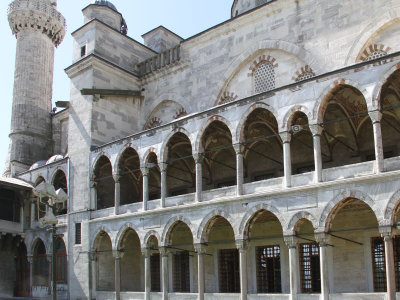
(38, 27)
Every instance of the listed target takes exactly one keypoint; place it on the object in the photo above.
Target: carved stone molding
(37, 15)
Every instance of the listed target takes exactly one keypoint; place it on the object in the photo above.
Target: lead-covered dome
(105, 3)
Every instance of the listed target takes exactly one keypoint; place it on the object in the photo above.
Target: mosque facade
(258, 159)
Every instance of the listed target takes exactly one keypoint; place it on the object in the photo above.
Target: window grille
(305, 75)
(268, 269)
(264, 78)
(310, 268)
(78, 233)
(378, 264)
(155, 272)
(376, 54)
(61, 268)
(229, 272)
(181, 272)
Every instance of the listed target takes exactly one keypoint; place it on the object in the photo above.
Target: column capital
(146, 251)
(316, 129)
(286, 136)
(386, 231)
(238, 148)
(322, 238)
(200, 248)
(242, 245)
(291, 241)
(118, 254)
(164, 251)
(375, 116)
(93, 183)
(116, 178)
(163, 166)
(198, 158)
(92, 256)
(145, 171)
(29, 258)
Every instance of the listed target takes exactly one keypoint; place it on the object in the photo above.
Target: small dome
(54, 158)
(37, 164)
(105, 3)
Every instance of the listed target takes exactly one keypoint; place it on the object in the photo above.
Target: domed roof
(54, 158)
(37, 164)
(105, 3)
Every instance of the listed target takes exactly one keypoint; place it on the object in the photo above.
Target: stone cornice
(37, 15)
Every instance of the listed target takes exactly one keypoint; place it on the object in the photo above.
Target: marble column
(164, 272)
(376, 117)
(145, 173)
(164, 188)
(30, 260)
(292, 243)
(316, 131)
(323, 240)
(386, 233)
(117, 193)
(117, 255)
(198, 159)
(147, 272)
(93, 273)
(242, 246)
(287, 160)
(239, 169)
(201, 251)
(93, 195)
(33, 212)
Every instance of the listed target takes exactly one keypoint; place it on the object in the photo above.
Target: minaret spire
(38, 27)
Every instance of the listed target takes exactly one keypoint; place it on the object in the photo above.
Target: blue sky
(184, 17)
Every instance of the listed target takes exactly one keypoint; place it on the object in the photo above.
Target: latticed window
(229, 272)
(378, 264)
(181, 272)
(264, 78)
(376, 54)
(268, 269)
(155, 272)
(310, 268)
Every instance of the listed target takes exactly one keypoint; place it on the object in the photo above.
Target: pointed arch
(291, 227)
(148, 235)
(321, 103)
(288, 117)
(240, 127)
(246, 220)
(307, 57)
(121, 233)
(121, 153)
(169, 226)
(390, 209)
(164, 150)
(98, 157)
(376, 25)
(96, 234)
(331, 207)
(144, 157)
(206, 123)
(376, 94)
(203, 228)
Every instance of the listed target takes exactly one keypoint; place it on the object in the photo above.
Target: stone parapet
(37, 15)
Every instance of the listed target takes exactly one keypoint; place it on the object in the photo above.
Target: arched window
(264, 77)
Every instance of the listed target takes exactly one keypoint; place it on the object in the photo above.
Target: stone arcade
(258, 159)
